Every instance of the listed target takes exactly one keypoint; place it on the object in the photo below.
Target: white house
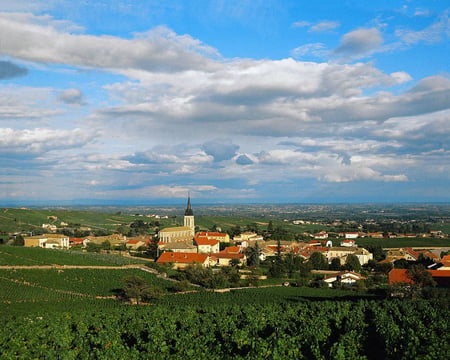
(348, 243)
(344, 277)
(351, 235)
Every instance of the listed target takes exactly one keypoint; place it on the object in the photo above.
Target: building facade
(180, 233)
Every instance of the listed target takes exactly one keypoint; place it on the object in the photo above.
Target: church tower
(189, 216)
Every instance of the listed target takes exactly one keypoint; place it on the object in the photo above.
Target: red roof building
(181, 260)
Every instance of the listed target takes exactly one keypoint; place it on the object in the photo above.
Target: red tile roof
(133, 241)
(206, 241)
(227, 256)
(399, 276)
(231, 250)
(184, 258)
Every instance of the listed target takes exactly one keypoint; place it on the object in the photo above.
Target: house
(181, 260)
(363, 255)
(344, 277)
(225, 259)
(348, 243)
(247, 236)
(321, 235)
(441, 277)
(232, 250)
(49, 227)
(351, 235)
(79, 242)
(376, 235)
(134, 244)
(48, 241)
(179, 247)
(206, 246)
(211, 235)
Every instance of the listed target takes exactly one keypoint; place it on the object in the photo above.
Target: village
(338, 260)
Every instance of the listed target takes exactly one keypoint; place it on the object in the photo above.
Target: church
(180, 233)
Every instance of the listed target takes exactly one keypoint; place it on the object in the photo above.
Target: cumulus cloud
(220, 149)
(38, 141)
(72, 97)
(157, 50)
(359, 43)
(9, 70)
(244, 160)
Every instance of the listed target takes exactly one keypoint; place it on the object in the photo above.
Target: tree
(19, 241)
(383, 267)
(420, 276)
(401, 264)
(253, 254)
(152, 250)
(335, 264)
(318, 261)
(292, 263)
(135, 288)
(352, 263)
(270, 226)
(235, 262)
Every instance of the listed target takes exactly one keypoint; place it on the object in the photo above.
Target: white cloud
(359, 43)
(301, 23)
(72, 97)
(157, 50)
(324, 26)
(317, 50)
(435, 32)
(37, 141)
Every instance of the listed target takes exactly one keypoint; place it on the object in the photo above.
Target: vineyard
(365, 329)
(72, 313)
(16, 256)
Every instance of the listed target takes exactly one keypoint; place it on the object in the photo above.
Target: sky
(230, 101)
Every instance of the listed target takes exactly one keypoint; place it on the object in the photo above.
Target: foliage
(11, 255)
(137, 289)
(293, 330)
(318, 261)
(253, 253)
(420, 275)
(352, 263)
(335, 264)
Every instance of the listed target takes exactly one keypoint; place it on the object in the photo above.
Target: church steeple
(189, 211)
(189, 217)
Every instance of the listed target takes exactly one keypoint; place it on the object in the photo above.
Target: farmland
(72, 311)
(15, 256)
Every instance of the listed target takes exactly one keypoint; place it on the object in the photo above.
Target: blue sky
(232, 101)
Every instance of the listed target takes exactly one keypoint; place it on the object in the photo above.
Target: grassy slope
(29, 219)
(17, 255)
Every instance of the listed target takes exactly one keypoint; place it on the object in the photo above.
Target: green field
(66, 313)
(12, 220)
(18, 255)
(363, 329)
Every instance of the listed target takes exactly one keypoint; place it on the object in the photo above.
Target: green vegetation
(14, 256)
(75, 312)
(314, 330)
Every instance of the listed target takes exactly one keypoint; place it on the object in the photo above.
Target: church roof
(175, 229)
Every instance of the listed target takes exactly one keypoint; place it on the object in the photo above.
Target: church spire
(189, 211)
